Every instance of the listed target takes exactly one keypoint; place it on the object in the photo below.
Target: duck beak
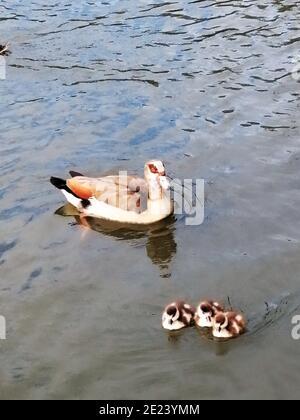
(164, 183)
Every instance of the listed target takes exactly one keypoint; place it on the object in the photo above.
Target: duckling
(205, 313)
(228, 325)
(178, 315)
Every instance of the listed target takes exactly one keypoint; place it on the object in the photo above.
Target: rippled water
(208, 86)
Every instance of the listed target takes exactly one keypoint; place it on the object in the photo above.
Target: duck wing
(125, 192)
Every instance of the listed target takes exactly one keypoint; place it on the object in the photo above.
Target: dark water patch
(31, 279)
(7, 246)
(150, 82)
(207, 86)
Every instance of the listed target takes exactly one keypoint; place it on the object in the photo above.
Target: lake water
(209, 87)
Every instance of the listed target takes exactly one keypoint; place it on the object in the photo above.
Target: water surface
(95, 86)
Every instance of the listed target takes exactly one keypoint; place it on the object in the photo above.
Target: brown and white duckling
(178, 315)
(206, 312)
(228, 325)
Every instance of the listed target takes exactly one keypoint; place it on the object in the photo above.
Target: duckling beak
(164, 183)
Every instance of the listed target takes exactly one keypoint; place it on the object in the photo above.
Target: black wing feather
(74, 174)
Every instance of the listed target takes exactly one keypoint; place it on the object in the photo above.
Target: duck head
(155, 175)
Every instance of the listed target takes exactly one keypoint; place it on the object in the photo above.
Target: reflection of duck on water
(160, 242)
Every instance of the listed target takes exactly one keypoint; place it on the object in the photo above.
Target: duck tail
(59, 183)
(70, 195)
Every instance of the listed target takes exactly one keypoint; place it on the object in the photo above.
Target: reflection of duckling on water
(228, 325)
(178, 315)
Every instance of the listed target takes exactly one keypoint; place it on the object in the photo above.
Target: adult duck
(121, 198)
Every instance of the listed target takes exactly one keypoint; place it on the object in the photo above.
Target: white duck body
(121, 198)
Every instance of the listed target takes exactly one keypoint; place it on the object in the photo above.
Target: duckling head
(220, 325)
(170, 317)
(206, 312)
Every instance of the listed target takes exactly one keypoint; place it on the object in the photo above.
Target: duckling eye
(153, 168)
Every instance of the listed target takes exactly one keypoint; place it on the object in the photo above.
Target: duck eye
(153, 168)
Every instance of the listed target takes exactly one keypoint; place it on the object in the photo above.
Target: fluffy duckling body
(228, 325)
(206, 312)
(178, 315)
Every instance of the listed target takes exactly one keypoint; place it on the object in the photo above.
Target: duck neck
(155, 191)
(158, 200)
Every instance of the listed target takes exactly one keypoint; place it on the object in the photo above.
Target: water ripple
(211, 87)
